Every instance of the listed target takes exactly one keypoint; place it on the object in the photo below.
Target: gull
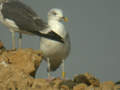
(56, 52)
(19, 17)
(54, 42)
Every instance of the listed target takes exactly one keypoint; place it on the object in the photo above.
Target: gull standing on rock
(54, 42)
(53, 51)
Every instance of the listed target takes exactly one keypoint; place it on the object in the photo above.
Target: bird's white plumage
(55, 14)
(11, 23)
(57, 27)
(54, 17)
(51, 49)
(8, 22)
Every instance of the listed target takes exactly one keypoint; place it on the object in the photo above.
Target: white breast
(54, 49)
(57, 27)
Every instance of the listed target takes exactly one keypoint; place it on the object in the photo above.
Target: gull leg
(20, 40)
(63, 69)
(13, 40)
(48, 60)
(40, 42)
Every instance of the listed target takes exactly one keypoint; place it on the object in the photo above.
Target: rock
(109, 85)
(80, 87)
(117, 87)
(65, 87)
(56, 83)
(81, 78)
(12, 78)
(17, 68)
(42, 84)
(68, 84)
(93, 88)
(94, 81)
(2, 48)
(26, 60)
(1, 45)
(86, 78)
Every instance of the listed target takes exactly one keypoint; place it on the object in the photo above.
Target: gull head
(56, 14)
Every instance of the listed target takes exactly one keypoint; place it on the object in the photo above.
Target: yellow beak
(65, 19)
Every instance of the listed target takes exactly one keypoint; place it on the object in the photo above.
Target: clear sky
(94, 27)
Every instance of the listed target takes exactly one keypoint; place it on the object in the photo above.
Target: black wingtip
(51, 35)
(54, 36)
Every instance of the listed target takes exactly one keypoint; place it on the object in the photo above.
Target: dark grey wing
(28, 10)
(22, 15)
(26, 19)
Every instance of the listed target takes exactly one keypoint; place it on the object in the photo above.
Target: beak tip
(65, 19)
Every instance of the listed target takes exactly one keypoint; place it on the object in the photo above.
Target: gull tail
(54, 65)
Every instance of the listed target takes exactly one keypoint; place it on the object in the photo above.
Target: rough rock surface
(26, 60)
(2, 48)
(17, 68)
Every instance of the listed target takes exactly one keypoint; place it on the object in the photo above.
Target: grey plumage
(19, 17)
(23, 16)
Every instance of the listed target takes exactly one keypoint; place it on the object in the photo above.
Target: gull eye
(54, 13)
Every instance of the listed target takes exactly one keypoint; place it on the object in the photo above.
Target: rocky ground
(17, 70)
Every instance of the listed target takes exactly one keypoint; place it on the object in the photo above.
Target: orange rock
(42, 84)
(24, 59)
(56, 83)
(17, 66)
(1, 48)
(93, 88)
(64, 87)
(80, 87)
(94, 81)
(87, 78)
(1, 44)
(109, 85)
(69, 83)
(117, 87)
(81, 78)
(12, 78)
